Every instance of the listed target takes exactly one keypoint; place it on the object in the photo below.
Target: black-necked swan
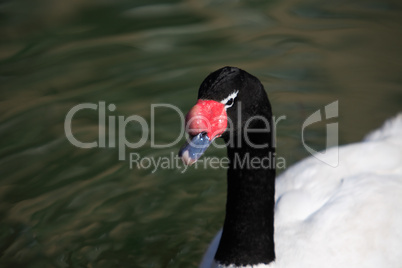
(313, 215)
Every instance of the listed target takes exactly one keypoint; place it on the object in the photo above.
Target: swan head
(230, 101)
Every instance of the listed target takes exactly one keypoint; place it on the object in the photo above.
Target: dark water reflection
(62, 206)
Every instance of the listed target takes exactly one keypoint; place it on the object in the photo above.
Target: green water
(64, 206)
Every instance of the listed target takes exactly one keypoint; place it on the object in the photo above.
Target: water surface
(63, 206)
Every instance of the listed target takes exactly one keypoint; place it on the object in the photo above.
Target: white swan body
(347, 216)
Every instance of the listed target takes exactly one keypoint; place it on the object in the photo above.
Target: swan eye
(229, 103)
(229, 100)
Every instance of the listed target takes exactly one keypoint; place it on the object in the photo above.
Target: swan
(313, 215)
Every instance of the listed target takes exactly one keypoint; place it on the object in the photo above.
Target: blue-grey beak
(193, 150)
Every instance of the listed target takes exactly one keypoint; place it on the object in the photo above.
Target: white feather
(347, 216)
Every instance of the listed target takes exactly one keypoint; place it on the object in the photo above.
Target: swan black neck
(248, 231)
